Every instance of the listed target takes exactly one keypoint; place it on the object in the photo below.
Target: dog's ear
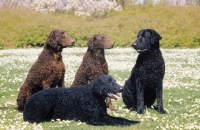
(155, 37)
(51, 40)
(98, 89)
(98, 86)
(91, 43)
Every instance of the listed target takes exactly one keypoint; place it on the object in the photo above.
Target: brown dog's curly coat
(94, 63)
(48, 71)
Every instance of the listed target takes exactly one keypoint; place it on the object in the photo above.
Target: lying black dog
(145, 84)
(85, 103)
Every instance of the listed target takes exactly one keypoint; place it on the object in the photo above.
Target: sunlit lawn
(181, 89)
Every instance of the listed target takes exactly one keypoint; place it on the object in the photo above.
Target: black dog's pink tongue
(117, 96)
(114, 96)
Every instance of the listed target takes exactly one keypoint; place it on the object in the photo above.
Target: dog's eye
(103, 38)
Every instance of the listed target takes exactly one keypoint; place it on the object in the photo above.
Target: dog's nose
(121, 89)
(113, 44)
(72, 41)
(134, 44)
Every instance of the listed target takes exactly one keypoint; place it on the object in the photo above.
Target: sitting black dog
(145, 84)
(83, 103)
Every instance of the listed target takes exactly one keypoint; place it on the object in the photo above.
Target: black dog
(85, 103)
(145, 84)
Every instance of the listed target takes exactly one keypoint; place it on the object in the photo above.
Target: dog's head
(146, 39)
(99, 41)
(59, 39)
(106, 86)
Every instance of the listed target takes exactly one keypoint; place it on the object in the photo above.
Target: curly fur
(84, 103)
(145, 84)
(94, 62)
(48, 71)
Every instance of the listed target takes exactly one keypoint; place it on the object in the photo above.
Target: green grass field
(181, 89)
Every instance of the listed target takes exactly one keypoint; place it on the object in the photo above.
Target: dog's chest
(58, 67)
(95, 65)
(101, 67)
(152, 69)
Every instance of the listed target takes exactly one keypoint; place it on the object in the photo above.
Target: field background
(178, 25)
(181, 89)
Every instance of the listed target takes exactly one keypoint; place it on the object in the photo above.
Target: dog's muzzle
(134, 44)
(138, 50)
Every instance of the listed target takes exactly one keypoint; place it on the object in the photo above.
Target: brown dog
(94, 63)
(49, 70)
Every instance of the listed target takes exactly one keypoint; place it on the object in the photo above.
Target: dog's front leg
(61, 83)
(109, 104)
(159, 92)
(140, 96)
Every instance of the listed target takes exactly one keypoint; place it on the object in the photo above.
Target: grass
(176, 24)
(181, 89)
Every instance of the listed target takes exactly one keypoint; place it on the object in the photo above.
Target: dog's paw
(132, 109)
(140, 111)
(162, 111)
(111, 108)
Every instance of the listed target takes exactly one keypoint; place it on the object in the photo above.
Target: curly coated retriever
(48, 71)
(84, 103)
(94, 63)
(145, 84)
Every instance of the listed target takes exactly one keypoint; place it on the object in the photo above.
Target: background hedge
(178, 25)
